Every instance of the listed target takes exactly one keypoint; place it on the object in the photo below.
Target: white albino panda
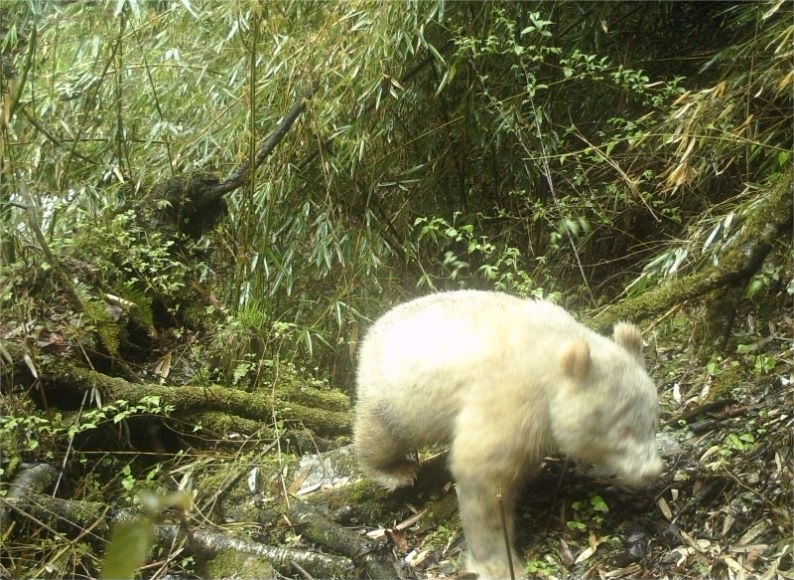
(503, 381)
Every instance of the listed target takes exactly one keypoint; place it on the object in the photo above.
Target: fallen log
(325, 412)
(766, 222)
(75, 518)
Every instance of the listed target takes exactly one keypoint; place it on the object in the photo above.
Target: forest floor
(722, 507)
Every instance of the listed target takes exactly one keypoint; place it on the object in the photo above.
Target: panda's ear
(628, 336)
(576, 360)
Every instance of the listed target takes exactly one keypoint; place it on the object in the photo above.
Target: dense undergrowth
(583, 152)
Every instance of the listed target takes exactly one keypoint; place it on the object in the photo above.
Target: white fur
(504, 381)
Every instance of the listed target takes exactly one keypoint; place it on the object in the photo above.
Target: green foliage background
(542, 148)
(581, 151)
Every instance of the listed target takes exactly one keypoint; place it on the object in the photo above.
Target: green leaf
(734, 442)
(129, 545)
(599, 504)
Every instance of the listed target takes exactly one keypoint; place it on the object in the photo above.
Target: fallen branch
(73, 517)
(317, 564)
(30, 481)
(765, 224)
(239, 176)
(193, 202)
(325, 412)
(324, 532)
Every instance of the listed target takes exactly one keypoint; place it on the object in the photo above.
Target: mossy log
(74, 517)
(764, 226)
(321, 530)
(325, 412)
